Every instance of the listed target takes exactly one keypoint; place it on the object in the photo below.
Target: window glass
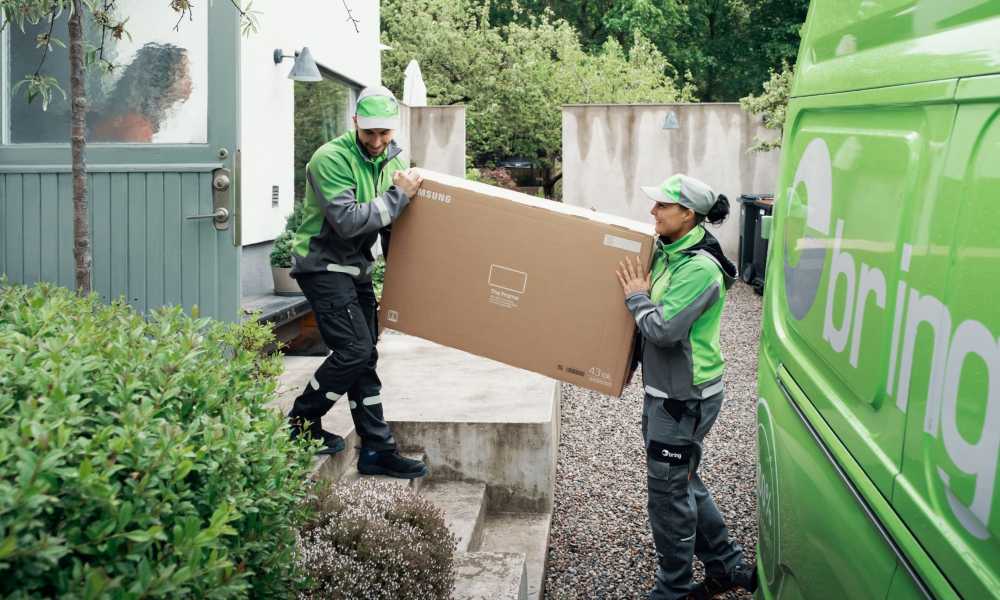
(323, 111)
(156, 91)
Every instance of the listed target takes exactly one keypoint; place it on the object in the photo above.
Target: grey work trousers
(684, 518)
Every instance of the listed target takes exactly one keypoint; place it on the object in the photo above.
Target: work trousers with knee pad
(684, 518)
(346, 313)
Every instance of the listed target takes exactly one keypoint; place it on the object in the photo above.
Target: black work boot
(744, 576)
(332, 443)
(391, 463)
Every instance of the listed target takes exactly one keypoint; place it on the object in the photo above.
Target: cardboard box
(522, 280)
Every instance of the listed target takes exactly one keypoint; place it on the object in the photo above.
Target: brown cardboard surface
(518, 279)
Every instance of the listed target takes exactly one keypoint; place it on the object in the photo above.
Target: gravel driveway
(600, 545)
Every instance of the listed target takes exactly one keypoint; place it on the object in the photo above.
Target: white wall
(609, 151)
(267, 95)
(437, 136)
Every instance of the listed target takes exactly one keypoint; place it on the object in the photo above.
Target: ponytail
(719, 211)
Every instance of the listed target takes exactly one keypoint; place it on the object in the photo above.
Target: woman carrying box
(677, 308)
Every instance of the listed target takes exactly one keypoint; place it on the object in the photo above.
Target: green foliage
(281, 250)
(515, 78)
(138, 458)
(727, 46)
(377, 541)
(772, 105)
(378, 276)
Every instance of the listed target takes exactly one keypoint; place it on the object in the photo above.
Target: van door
(854, 222)
(946, 491)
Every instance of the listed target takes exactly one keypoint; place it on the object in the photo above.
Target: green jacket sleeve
(333, 185)
(693, 288)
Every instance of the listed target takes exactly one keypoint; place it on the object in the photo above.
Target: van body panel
(863, 44)
(947, 488)
(808, 517)
(844, 218)
(882, 308)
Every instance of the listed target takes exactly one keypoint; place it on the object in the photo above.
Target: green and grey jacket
(679, 319)
(349, 199)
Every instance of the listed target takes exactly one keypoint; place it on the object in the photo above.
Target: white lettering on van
(950, 351)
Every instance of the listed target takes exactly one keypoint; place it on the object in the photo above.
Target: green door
(162, 159)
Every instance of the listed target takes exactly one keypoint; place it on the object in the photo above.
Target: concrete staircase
(489, 434)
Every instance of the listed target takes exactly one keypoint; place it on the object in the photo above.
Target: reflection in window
(157, 91)
(323, 111)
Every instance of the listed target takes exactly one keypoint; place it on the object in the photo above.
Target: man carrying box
(356, 186)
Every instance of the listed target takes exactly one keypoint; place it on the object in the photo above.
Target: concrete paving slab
(525, 533)
(424, 381)
(490, 576)
(464, 507)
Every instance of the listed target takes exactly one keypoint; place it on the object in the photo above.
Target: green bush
(377, 541)
(281, 251)
(378, 276)
(137, 456)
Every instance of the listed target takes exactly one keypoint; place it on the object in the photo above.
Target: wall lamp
(304, 69)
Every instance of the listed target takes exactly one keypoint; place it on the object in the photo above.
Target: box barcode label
(619, 242)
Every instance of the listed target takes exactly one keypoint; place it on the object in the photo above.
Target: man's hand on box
(407, 181)
(631, 278)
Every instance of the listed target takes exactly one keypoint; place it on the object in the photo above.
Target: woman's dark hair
(716, 214)
(146, 85)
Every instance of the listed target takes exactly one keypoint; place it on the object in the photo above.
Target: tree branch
(352, 18)
(48, 43)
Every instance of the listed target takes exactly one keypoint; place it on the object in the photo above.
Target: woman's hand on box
(631, 278)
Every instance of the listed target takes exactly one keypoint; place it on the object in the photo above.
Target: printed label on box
(506, 286)
(392, 316)
(619, 242)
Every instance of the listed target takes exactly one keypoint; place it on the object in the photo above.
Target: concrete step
(297, 374)
(526, 533)
(490, 576)
(464, 506)
(352, 474)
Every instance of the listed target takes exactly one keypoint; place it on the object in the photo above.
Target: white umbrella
(414, 90)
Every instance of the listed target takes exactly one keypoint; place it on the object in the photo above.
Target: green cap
(683, 190)
(377, 108)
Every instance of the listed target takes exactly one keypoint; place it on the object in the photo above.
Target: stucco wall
(609, 151)
(437, 138)
(268, 100)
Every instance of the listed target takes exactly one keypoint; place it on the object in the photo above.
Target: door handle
(220, 217)
(220, 201)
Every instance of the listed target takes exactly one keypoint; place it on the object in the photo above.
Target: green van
(879, 377)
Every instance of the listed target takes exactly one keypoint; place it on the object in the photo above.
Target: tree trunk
(78, 142)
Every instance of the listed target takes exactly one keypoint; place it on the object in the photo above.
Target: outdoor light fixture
(305, 68)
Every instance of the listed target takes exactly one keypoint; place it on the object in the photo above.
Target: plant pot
(284, 285)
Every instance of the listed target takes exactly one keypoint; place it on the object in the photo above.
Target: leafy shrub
(281, 251)
(772, 105)
(138, 458)
(378, 276)
(375, 540)
(499, 177)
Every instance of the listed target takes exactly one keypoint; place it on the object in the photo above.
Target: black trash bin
(753, 247)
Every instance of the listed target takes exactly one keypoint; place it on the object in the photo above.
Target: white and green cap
(377, 108)
(683, 190)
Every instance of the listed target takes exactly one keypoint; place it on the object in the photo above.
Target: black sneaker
(332, 443)
(391, 463)
(744, 576)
